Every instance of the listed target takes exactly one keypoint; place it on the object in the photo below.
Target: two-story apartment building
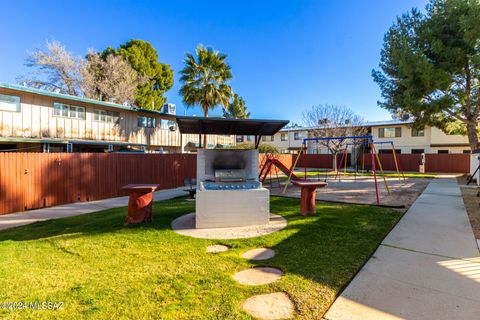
(405, 138)
(39, 120)
(410, 140)
(287, 140)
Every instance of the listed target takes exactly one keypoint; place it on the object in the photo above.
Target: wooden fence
(37, 180)
(450, 163)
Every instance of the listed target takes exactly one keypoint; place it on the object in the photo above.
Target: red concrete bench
(308, 195)
(139, 202)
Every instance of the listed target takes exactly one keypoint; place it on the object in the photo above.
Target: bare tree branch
(328, 121)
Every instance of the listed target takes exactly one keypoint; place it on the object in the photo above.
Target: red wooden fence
(406, 162)
(447, 162)
(317, 161)
(36, 180)
(450, 163)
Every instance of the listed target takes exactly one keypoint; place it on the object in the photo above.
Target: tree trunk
(473, 134)
(205, 140)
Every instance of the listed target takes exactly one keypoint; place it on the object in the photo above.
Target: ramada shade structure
(227, 126)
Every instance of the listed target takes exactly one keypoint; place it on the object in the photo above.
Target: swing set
(365, 140)
(378, 156)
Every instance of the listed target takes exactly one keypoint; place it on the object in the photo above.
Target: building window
(146, 122)
(106, 116)
(68, 111)
(283, 137)
(239, 139)
(466, 151)
(418, 151)
(442, 151)
(272, 138)
(390, 132)
(9, 103)
(418, 133)
(264, 138)
(297, 136)
(249, 138)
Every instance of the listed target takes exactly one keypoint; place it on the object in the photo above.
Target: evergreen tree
(430, 67)
(236, 109)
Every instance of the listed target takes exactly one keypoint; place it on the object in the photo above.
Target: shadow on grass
(319, 254)
(106, 221)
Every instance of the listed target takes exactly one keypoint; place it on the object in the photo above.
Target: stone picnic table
(139, 202)
(308, 195)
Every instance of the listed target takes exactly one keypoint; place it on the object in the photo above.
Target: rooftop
(366, 124)
(250, 127)
(75, 98)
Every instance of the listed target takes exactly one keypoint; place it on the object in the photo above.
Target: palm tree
(204, 81)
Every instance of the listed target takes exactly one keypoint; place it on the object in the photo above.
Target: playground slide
(274, 162)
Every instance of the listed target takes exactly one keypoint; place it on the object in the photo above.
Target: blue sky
(285, 55)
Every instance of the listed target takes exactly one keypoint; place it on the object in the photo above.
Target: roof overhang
(225, 126)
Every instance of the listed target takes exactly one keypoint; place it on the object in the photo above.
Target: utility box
(421, 165)
(474, 166)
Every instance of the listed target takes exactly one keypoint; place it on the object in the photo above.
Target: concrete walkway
(428, 267)
(74, 209)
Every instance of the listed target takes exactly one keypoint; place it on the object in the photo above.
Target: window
(239, 139)
(272, 138)
(68, 111)
(466, 151)
(106, 116)
(146, 122)
(9, 103)
(249, 138)
(442, 151)
(264, 138)
(418, 151)
(390, 132)
(283, 137)
(418, 133)
(297, 136)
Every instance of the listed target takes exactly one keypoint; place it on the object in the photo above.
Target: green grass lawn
(101, 269)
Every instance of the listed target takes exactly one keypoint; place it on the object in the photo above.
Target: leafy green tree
(236, 109)
(205, 80)
(158, 77)
(430, 67)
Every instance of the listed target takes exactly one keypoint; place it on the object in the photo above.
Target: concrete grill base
(185, 225)
(232, 208)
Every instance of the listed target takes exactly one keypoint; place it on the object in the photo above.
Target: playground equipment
(377, 156)
(268, 165)
(366, 138)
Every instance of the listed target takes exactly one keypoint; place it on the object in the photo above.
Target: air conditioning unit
(169, 108)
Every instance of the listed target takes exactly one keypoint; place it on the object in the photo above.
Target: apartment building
(287, 140)
(405, 138)
(39, 120)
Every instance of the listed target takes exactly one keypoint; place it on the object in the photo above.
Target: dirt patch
(472, 204)
(361, 190)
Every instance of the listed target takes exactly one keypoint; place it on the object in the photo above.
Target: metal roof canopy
(225, 126)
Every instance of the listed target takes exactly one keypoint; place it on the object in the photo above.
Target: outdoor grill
(229, 193)
(230, 179)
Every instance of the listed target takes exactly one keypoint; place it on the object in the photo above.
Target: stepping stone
(271, 306)
(259, 254)
(217, 248)
(258, 276)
